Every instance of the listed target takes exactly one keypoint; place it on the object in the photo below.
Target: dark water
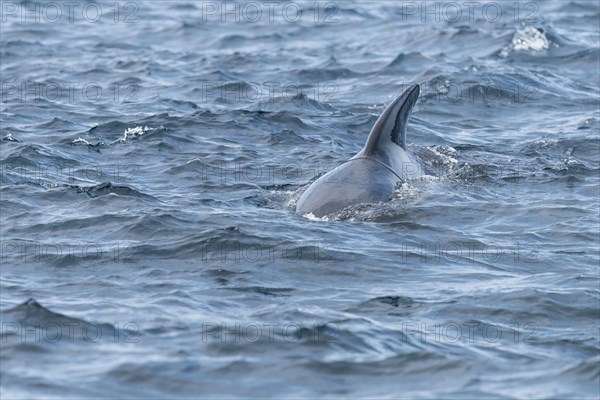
(152, 155)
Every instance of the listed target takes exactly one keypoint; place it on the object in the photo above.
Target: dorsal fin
(391, 125)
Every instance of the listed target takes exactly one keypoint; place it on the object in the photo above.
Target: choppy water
(151, 159)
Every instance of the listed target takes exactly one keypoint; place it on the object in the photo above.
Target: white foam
(527, 39)
(133, 132)
(80, 140)
(312, 217)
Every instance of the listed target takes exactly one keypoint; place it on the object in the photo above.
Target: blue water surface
(152, 153)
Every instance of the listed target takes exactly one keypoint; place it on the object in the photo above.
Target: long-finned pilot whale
(372, 175)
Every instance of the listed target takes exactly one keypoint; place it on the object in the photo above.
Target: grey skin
(372, 175)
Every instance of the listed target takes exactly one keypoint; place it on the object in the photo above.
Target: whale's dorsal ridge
(390, 127)
(373, 174)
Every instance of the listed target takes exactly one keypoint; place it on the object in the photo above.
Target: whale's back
(356, 181)
(372, 174)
